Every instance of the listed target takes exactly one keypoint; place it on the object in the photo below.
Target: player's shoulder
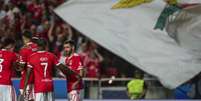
(34, 54)
(76, 55)
(49, 53)
(8, 53)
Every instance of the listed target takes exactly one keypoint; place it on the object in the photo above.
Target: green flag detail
(167, 11)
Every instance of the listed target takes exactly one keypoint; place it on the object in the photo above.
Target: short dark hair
(27, 34)
(7, 41)
(71, 42)
(41, 42)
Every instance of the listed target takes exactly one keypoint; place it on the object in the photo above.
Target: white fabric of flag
(129, 34)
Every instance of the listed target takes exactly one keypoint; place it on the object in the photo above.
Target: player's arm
(19, 66)
(82, 72)
(15, 63)
(66, 70)
(80, 75)
(28, 73)
(26, 79)
(15, 66)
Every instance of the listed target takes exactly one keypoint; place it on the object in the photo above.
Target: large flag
(185, 27)
(129, 33)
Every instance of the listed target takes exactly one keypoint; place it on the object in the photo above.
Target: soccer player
(73, 61)
(7, 61)
(29, 48)
(42, 64)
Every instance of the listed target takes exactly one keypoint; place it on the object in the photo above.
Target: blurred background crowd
(38, 18)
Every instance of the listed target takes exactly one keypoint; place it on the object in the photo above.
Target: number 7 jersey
(42, 64)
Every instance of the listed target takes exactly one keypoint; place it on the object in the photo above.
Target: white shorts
(29, 93)
(49, 96)
(7, 93)
(75, 95)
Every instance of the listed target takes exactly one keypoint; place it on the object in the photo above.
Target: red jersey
(92, 68)
(91, 64)
(42, 64)
(75, 64)
(6, 60)
(24, 53)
